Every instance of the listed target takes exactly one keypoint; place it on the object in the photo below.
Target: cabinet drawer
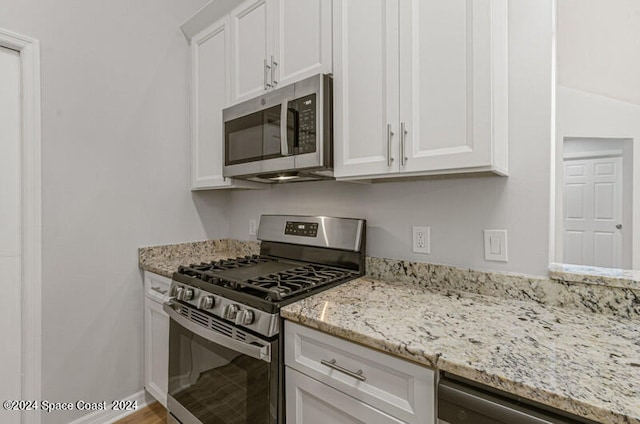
(311, 402)
(156, 286)
(392, 385)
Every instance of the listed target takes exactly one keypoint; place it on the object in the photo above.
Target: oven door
(219, 374)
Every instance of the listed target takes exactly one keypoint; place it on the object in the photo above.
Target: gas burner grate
(281, 285)
(270, 287)
(204, 270)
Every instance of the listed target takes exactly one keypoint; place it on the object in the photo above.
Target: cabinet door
(251, 26)
(311, 402)
(366, 91)
(446, 86)
(302, 39)
(156, 344)
(210, 87)
(209, 81)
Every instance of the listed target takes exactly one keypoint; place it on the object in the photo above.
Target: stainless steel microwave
(284, 135)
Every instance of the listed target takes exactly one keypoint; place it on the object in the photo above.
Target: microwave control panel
(304, 125)
(304, 229)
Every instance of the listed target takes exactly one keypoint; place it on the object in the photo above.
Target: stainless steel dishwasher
(464, 402)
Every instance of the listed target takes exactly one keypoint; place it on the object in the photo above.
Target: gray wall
(457, 210)
(115, 169)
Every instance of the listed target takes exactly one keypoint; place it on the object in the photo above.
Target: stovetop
(299, 256)
(267, 278)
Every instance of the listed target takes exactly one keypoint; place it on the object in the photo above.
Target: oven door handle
(258, 352)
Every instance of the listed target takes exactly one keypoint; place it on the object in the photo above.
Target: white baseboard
(109, 416)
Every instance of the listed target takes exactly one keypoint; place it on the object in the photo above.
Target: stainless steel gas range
(225, 338)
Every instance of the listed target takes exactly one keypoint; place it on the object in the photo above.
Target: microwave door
(272, 134)
(256, 141)
(275, 157)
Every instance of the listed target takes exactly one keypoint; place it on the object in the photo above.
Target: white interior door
(10, 231)
(593, 212)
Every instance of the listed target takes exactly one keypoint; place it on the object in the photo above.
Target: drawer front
(311, 402)
(156, 287)
(392, 385)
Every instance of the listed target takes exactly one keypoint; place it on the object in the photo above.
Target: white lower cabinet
(156, 337)
(331, 380)
(312, 402)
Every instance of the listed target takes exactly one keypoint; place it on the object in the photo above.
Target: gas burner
(205, 270)
(281, 285)
(238, 262)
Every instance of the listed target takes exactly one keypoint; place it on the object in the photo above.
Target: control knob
(230, 312)
(178, 292)
(206, 302)
(244, 317)
(187, 294)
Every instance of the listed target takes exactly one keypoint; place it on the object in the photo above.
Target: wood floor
(152, 414)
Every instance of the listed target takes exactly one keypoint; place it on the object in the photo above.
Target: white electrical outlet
(421, 239)
(253, 227)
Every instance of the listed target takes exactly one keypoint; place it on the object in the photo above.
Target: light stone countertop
(612, 277)
(165, 260)
(584, 363)
(570, 358)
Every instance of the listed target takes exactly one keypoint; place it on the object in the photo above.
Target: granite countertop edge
(375, 333)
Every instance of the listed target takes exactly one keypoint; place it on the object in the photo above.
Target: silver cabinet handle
(274, 64)
(266, 73)
(332, 364)
(389, 135)
(403, 133)
(619, 226)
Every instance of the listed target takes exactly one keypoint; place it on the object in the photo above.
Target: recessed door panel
(574, 201)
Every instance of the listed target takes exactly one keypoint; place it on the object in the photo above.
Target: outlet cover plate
(421, 240)
(495, 245)
(253, 227)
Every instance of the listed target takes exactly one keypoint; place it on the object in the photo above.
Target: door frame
(31, 191)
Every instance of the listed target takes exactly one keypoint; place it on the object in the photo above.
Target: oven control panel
(304, 229)
(242, 315)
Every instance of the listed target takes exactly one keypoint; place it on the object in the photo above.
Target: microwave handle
(284, 143)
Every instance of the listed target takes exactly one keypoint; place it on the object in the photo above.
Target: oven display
(304, 229)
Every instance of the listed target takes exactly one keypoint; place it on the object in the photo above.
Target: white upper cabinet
(420, 87)
(366, 93)
(210, 79)
(302, 40)
(251, 27)
(276, 42)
